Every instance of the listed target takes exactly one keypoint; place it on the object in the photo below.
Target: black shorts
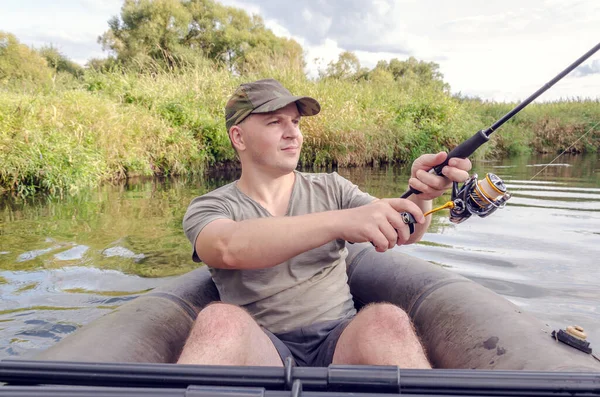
(311, 346)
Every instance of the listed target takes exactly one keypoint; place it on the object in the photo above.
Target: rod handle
(463, 151)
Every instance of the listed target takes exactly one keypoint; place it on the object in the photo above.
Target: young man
(274, 241)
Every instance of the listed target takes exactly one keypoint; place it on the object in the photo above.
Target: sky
(495, 50)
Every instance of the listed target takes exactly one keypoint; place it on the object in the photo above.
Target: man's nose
(291, 129)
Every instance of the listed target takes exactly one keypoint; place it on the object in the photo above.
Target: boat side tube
(149, 329)
(461, 323)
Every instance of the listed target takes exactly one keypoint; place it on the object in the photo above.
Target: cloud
(587, 69)
(355, 25)
(75, 47)
(102, 5)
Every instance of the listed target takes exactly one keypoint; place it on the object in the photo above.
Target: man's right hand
(376, 222)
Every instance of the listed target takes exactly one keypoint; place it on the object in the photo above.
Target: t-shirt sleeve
(201, 211)
(350, 195)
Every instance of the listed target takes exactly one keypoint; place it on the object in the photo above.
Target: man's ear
(237, 138)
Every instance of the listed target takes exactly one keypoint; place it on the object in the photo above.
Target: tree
(102, 64)
(413, 70)
(172, 31)
(59, 62)
(152, 28)
(347, 66)
(19, 62)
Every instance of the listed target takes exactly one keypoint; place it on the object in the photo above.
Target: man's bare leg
(380, 334)
(227, 335)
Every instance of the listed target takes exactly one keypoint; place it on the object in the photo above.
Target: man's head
(262, 120)
(264, 96)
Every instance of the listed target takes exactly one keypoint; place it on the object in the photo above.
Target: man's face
(272, 140)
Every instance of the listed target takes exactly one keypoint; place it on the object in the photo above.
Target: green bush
(19, 63)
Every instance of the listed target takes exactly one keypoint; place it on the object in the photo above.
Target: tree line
(152, 35)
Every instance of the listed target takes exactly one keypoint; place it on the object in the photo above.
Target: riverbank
(81, 132)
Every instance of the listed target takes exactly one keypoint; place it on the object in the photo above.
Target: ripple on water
(55, 302)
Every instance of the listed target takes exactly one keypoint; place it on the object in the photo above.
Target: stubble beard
(282, 165)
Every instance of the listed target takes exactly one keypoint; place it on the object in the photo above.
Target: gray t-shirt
(306, 289)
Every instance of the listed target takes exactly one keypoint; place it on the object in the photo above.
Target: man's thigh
(225, 334)
(381, 334)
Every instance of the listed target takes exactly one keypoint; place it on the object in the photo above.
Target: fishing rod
(485, 196)
(243, 380)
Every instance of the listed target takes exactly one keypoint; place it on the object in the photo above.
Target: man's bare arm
(263, 242)
(267, 242)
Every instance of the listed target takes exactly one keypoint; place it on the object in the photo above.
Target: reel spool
(479, 197)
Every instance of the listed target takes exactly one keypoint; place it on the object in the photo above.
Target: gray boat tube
(461, 323)
(151, 328)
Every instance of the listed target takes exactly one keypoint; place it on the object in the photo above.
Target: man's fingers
(404, 205)
(390, 234)
(463, 164)
(455, 174)
(427, 192)
(432, 180)
(402, 230)
(403, 234)
(428, 161)
(381, 242)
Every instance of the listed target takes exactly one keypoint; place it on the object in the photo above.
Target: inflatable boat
(462, 324)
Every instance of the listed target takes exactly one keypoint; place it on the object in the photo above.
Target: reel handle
(407, 218)
(463, 150)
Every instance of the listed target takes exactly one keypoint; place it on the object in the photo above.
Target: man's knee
(385, 318)
(222, 320)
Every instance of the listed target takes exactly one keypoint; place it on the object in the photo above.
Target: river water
(67, 261)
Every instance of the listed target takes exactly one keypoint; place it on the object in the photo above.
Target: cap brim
(307, 106)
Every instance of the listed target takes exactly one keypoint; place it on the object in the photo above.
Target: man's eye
(296, 122)
(273, 122)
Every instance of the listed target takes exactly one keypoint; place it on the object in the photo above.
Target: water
(65, 262)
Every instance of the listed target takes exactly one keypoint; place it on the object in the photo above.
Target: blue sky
(497, 50)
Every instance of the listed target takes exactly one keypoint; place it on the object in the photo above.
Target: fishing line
(564, 151)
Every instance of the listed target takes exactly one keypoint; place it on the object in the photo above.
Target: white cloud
(318, 57)
(103, 5)
(587, 68)
(501, 50)
(496, 50)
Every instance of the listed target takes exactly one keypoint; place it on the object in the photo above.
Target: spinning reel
(475, 197)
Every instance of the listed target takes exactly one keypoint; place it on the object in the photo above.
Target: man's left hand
(431, 185)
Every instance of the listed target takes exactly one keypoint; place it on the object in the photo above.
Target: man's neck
(271, 191)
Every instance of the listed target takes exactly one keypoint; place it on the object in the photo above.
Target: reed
(104, 126)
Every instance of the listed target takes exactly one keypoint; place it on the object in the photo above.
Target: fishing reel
(477, 197)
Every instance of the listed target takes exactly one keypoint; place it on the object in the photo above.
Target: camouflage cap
(264, 96)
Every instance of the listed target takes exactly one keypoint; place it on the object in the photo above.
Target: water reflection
(65, 262)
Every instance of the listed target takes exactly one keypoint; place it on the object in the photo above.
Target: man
(274, 241)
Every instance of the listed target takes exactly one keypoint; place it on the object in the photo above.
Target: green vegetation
(154, 106)
(104, 293)
(26, 287)
(433, 244)
(32, 308)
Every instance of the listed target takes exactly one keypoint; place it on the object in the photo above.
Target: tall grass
(543, 127)
(107, 126)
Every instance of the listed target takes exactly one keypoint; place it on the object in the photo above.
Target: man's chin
(288, 166)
